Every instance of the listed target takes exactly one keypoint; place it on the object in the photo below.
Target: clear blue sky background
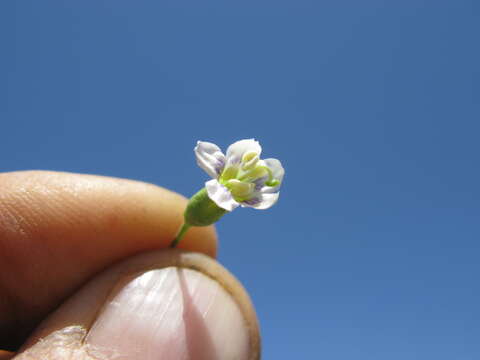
(373, 107)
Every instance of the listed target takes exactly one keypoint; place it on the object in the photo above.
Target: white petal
(220, 195)
(236, 150)
(210, 158)
(261, 201)
(277, 169)
(278, 173)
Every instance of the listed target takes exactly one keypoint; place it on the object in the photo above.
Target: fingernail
(169, 313)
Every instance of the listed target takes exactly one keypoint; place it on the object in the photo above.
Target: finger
(6, 355)
(58, 229)
(160, 305)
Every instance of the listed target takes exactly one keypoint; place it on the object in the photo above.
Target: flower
(240, 177)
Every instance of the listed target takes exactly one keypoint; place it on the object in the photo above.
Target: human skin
(102, 243)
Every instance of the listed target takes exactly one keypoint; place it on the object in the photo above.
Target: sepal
(202, 211)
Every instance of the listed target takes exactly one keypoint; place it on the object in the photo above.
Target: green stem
(180, 234)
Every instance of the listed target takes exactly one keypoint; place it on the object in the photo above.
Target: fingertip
(43, 205)
(168, 304)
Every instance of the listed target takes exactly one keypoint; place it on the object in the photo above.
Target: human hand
(59, 230)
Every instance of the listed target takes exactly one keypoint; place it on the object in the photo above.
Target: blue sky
(373, 107)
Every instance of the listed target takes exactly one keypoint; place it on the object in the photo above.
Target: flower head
(240, 177)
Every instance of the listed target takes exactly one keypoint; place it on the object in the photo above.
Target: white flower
(240, 177)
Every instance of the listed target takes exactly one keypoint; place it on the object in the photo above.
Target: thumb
(161, 305)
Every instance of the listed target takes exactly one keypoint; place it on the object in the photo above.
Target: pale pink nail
(170, 313)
